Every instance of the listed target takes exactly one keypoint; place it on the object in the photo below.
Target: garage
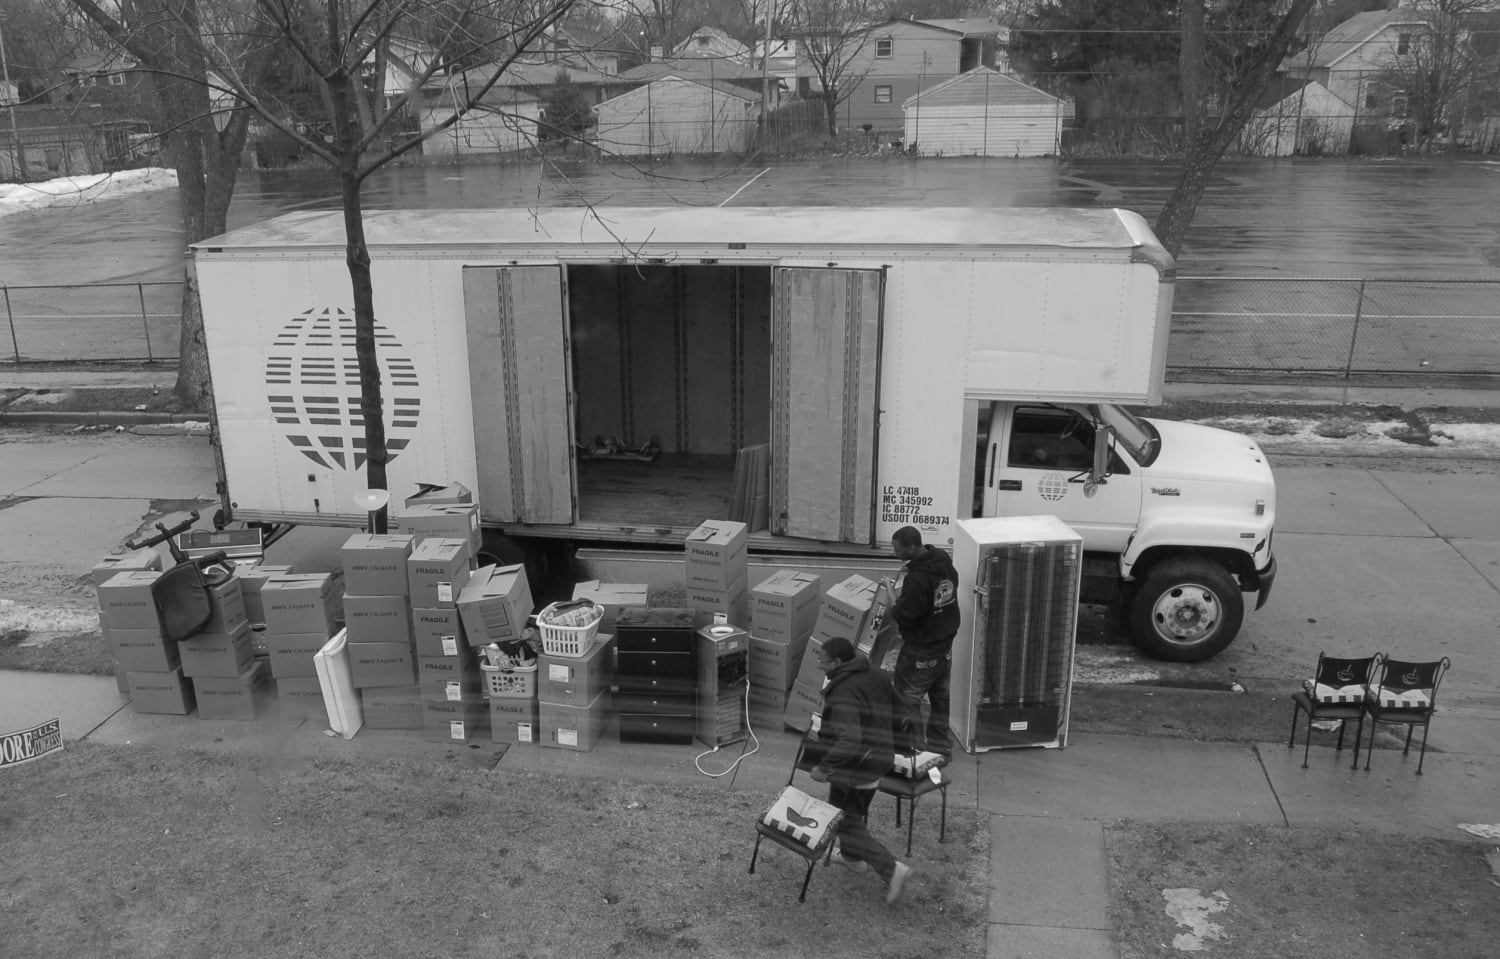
(984, 113)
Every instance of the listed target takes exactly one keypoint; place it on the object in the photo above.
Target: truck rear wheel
(1188, 610)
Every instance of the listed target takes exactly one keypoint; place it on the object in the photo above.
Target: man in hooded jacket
(927, 614)
(858, 725)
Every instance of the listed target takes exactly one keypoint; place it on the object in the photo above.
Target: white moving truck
(618, 376)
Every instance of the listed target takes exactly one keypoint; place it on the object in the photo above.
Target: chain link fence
(97, 323)
(1336, 325)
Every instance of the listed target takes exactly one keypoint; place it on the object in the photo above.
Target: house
(9, 93)
(577, 45)
(890, 62)
(113, 80)
(984, 113)
(674, 116)
(1349, 59)
(508, 115)
(711, 43)
(703, 70)
(1296, 116)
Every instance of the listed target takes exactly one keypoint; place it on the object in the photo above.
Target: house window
(883, 94)
(117, 79)
(884, 48)
(1403, 44)
(1372, 102)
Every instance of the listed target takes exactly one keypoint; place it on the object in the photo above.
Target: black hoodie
(927, 610)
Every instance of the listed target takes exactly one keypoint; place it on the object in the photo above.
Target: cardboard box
(494, 604)
(301, 697)
(226, 601)
(612, 596)
(436, 571)
(810, 672)
(216, 654)
(168, 693)
(844, 609)
(430, 494)
(142, 650)
(292, 655)
(232, 697)
(717, 555)
(461, 722)
(375, 563)
(125, 600)
(574, 727)
(447, 521)
(438, 632)
(300, 603)
(377, 619)
(456, 688)
(768, 699)
(140, 559)
(785, 605)
(382, 664)
(252, 580)
(774, 664)
(392, 707)
(577, 680)
(514, 721)
(801, 704)
(734, 602)
(122, 680)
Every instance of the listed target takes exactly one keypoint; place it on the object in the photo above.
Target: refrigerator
(1012, 678)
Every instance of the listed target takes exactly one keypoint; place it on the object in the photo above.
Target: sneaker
(899, 876)
(855, 865)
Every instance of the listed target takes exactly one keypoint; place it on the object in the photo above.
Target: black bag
(181, 595)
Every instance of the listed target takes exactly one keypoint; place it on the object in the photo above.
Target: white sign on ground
(23, 746)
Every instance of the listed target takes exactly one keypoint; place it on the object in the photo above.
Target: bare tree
(167, 38)
(1436, 73)
(832, 36)
(1260, 53)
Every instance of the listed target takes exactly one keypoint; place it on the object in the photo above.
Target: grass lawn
(139, 851)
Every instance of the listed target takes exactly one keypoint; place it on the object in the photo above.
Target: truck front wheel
(1187, 611)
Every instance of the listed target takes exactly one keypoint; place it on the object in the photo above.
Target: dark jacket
(927, 610)
(861, 714)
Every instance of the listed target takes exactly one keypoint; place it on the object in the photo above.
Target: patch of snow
(1190, 908)
(52, 620)
(76, 190)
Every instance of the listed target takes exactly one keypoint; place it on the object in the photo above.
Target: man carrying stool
(861, 714)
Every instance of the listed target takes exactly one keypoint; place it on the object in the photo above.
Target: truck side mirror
(1104, 442)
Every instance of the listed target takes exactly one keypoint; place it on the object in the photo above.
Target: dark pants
(855, 839)
(925, 672)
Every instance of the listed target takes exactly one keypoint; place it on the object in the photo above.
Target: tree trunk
(1191, 66)
(831, 109)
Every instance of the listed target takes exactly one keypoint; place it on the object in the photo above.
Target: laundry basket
(517, 682)
(568, 629)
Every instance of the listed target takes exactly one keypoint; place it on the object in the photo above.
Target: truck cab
(1177, 518)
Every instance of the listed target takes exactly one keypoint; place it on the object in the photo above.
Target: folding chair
(1404, 693)
(1336, 692)
(909, 781)
(789, 837)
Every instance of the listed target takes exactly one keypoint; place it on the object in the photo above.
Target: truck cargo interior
(672, 375)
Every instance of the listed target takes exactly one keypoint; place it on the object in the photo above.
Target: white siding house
(1298, 117)
(984, 113)
(673, 116)
(497, 128)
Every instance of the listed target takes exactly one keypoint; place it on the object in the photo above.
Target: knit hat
(839, 650)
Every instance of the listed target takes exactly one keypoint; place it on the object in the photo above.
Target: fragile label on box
(523, 732)
(567, 737)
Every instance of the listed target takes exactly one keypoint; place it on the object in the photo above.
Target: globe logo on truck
(312, 384)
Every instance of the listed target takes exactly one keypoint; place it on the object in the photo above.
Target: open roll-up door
(518, 378)
(826, 347)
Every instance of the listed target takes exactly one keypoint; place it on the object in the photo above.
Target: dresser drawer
(655, 664)
(654, 728)
(643, 629)
(658, 686)
(655, 703)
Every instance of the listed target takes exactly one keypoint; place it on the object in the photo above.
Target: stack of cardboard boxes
(297, 613)
(783, 611)
(843, 613)
(716, 571)
(493, 608)
(228, 682)
(573, 695)
(377, 623)
(141, 559)
(438, 571)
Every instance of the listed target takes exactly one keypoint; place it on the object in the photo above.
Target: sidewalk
(1048, 808)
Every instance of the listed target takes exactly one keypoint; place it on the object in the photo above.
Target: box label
(523, 732)
(567, 737)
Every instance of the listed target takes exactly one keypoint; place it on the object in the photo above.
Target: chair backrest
(1333, 671)
(1400, 674)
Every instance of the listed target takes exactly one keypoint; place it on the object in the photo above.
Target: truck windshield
(1137, 436)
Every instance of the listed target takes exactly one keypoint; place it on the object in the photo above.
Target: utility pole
(18, 161)
(765, 78)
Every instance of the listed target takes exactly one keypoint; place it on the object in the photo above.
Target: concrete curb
(99, 418)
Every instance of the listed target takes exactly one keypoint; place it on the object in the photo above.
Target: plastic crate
(573, 641)
(518, 683)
